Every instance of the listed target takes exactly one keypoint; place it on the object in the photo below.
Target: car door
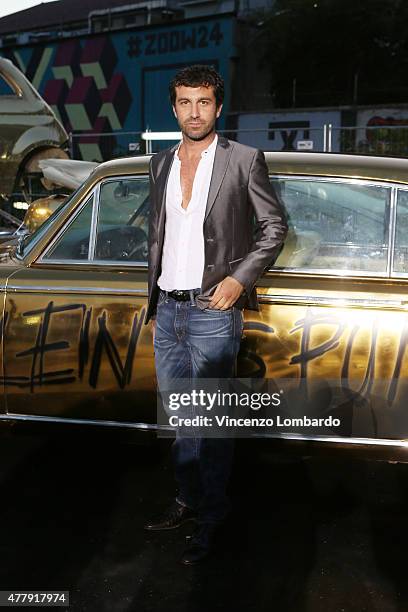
(76, 345)
(333, 316)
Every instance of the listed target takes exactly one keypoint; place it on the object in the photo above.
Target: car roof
(392, 169)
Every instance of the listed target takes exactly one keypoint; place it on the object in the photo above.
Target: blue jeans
(194, 343)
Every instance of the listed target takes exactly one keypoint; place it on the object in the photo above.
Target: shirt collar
(204, 153)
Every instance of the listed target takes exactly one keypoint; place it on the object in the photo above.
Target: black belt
(183, 295)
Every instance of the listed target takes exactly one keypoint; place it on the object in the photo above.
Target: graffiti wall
(382, 131)
(99, 84)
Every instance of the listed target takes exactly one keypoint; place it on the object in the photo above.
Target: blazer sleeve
(270, 225)
(152, 210)
(152, 227)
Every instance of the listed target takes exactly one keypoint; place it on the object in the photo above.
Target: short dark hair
(196, 76)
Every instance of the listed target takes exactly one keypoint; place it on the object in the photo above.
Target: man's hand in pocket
(226, 294)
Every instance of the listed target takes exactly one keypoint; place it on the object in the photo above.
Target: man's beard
(198, 137)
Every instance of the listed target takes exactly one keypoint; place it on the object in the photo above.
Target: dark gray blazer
(234, 244)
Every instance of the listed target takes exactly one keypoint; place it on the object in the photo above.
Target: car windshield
(30, 240)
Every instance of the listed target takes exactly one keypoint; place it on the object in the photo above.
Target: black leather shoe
(201, 544)
(175, 516)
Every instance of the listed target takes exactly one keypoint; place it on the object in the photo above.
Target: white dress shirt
(183, 248)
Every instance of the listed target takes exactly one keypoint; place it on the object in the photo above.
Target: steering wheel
(122, 243)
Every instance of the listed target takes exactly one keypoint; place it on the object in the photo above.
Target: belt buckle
(183, 295)
(180, 295)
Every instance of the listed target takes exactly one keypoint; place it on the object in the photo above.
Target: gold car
(334, 308)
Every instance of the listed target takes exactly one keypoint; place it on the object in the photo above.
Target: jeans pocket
(217, 311)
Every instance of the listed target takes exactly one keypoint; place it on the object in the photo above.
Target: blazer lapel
(221, 159)
(161, 182)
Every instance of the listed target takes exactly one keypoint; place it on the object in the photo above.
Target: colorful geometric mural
(85, 93)
(118, 82)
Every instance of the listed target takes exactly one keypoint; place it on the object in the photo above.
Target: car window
(119, 225)
(336, 226)
(121, 233)
(33, 239)
(73, 244)
(401, 234)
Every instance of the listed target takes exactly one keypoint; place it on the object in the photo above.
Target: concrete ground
(306, 535)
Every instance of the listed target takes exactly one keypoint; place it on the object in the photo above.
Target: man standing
(206, 252)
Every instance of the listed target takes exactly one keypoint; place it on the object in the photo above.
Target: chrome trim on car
(263, 297)
(395, 274)
(331, 272)
(155, 427)
(95, 194)
(10, 416)
(392, 230)
(12, 83)
(392, 187)
(96, 262)
(64, 228)
(310, 300)
(337, 439)
(334, 179)
(125, 177)
(94, 221)
(78, 290)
